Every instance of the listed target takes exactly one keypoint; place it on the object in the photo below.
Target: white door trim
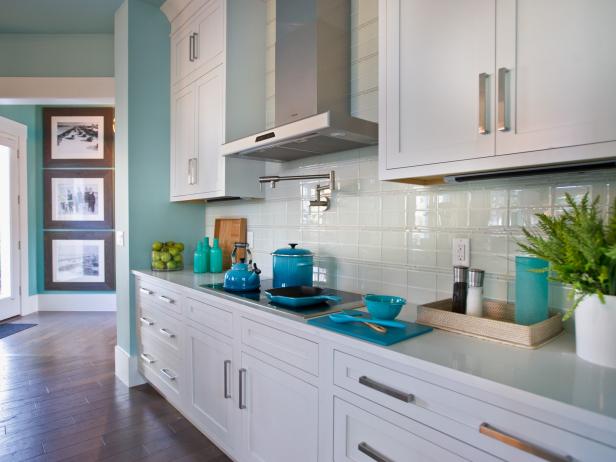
(20, 133)
(57, 90)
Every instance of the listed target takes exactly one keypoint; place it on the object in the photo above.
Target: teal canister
(215, 258)
(199, 259)
(531, 290)
(206, 253)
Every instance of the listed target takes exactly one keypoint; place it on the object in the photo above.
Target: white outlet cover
(250, 237)
(461, 252)
(120, 238)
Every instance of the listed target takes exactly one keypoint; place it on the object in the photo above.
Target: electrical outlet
(461, 251)
(250, 237)
(120, 238)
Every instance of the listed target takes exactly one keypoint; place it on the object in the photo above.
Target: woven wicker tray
(497, 323)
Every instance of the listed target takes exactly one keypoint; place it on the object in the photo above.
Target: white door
(557, 73)
(280, 414)
(439, 80)
(212, 399)
(183, 154)
(210, 129)
(10, 298)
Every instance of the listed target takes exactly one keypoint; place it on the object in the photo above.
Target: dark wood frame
(107, 236)
(106, 175)
(106, 112)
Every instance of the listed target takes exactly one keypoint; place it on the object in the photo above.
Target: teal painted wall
(142, 153)
(31, 116)
(57, 55)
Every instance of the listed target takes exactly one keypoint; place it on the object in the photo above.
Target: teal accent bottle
(199, 259)
(531, 290)
(206, 253)
(216, 258)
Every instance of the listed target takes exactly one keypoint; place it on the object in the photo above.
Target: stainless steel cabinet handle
(190, 171)
(146, 321)
(195, 170)
(167, 373)
(402, 396)
(503, 109)
(143, 290)
(166, 332)
(195, 46)
(191, 47)
(242, 403)
(483, 104)
(227, 365)
(165, 299)
(372, 453)
(147, 358)
(491, 432)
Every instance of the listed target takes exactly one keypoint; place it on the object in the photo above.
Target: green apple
(157, 245)
(178, 258)
(170, 243)
(174, 251)
(171, 265)
(179, 246)
(165, 256)
(155, 255)
(159, 265)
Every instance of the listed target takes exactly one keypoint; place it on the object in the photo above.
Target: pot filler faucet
(320, 201)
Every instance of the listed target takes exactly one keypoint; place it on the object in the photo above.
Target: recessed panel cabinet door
(280, 418)
(557, 74)
(210, 125)
(210, 389)
(439, 75)
(183, 142)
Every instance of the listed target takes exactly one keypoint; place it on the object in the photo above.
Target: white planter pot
(595, 330)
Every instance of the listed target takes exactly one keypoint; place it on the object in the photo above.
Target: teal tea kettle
(242, 277)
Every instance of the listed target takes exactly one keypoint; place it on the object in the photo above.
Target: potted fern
(581, 249)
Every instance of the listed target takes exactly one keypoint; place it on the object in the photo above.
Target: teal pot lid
(292, 251)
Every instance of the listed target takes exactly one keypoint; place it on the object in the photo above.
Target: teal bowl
(385, 307)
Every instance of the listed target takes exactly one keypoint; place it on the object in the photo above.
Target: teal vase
(199, 259)
(216, 258)
(206, 253)
(531, 290)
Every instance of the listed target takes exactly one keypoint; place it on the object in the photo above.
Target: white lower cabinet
(210, 398)
(279, 414)
(360, 436)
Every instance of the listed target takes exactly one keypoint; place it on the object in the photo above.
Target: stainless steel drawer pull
(483, 104)
(242, 402)
(503, 103)
(191, 47)
(402, 396)
(146, 321)
(143, 290)
(166, 332)
(147, 358)
(509, 440)
(167, 373)
(195, 46)
(165, 299)
(372, 453)
(227, 365)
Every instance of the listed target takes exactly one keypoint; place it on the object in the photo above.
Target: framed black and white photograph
(78, 199)
(78, 137)
(79, 260)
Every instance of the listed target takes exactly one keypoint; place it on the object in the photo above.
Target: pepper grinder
(474, 297)
(460, 288)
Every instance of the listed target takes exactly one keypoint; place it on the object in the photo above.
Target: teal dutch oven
(292, 267)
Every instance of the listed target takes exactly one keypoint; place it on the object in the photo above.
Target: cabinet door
(182, 62)
(557, 74)
(280, 418)
(438, 70)
(210, 390)
(210, 114)
(183, 151)
(208, 29)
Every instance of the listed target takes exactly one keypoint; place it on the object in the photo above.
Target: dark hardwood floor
(60, 400)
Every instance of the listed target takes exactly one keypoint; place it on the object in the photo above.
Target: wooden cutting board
(228, 231)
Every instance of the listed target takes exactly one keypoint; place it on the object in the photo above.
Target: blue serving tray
(361, 331)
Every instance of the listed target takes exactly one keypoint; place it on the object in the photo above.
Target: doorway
(10, 279)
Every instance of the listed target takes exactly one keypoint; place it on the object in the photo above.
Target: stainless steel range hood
(312, 86)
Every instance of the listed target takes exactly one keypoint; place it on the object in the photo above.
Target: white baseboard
(75, 302)
(126, 368)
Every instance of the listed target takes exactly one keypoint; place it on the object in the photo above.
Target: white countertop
(552, 371)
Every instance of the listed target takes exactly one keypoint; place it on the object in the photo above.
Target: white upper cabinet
(557, 63)
(464, 82)
(441, 61)
(211, 81)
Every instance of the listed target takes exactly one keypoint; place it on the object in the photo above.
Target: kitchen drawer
(210, 316)
(360, 436)
(167, 299)
(160, 367)
(291, 349)
(162, 326)
(485, 426)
